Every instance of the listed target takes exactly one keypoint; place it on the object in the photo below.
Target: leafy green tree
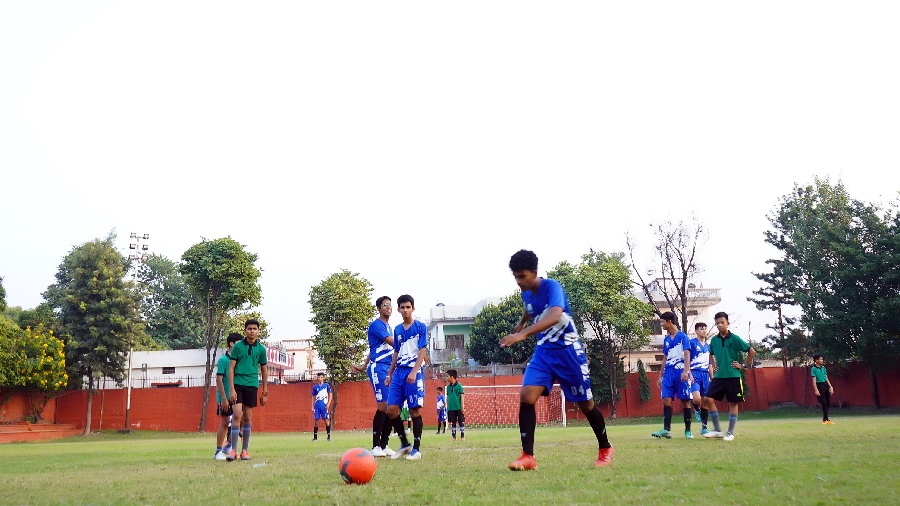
(491, 324)
(173, 318)
(795, 348)
(601, 300)
(10, 335)
(12, 312)
(2, 296)
(839, 263)
(222, 277)
(775, 296)
(235, 321)
(41, 315)
(644, 383)
(341, 311)
(42, 366)
(97, 313)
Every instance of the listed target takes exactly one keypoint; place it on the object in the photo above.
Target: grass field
(779, 457)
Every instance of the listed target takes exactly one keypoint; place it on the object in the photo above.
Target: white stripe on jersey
(559, 331)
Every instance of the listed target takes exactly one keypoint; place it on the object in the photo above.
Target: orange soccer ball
(358, 466)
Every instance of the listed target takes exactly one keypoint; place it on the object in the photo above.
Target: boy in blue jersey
(441, 410)
(675, 380)
(321, 394)
(405, 377)
(558, 355)
(701, 373)
(378, 361)
(223, 408)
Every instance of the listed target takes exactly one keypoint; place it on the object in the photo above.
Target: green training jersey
(222, 370)
(820, 374)
(454, 394)
(727, 349)
(247, 360)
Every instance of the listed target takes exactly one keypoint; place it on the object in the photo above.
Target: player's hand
(685, 375)
(232, 399)
(262, 400)
(830, 390)
(511, 339)
(412, 377)
(387, 380)
(817, 393)
(735, 364)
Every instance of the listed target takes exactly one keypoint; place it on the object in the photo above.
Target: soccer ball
(358, 466)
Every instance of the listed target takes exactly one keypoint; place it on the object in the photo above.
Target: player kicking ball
(558, 355)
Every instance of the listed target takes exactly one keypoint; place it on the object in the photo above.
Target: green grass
(776, 459)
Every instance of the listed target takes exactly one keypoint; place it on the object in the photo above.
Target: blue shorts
(442, 415)
(321, 412)
(701, 381)
(673, 387)
(400, 390)
(377, 373)
(567, 365)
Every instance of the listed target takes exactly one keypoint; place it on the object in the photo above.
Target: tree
(676, 249)
(235, 320)
(839, 263)
(42, 367)
(491, 324)
(10, 335)
(41, 315)
(97, 313)
(341, 308)
(601, 301)
(2, 296)
(775, 297)
(644, 383)
(222, 277)
(174, 320)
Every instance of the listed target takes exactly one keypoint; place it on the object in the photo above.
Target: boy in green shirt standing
(223, 408)
(822, 387)
(248, 361)
(726, 351)
(455, 406)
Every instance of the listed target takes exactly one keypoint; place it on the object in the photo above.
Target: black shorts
(224, 411)
(456, 416)
(824, 396)
(726, 388)
(246, 395)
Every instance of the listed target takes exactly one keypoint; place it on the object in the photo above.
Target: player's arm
(328, 406)
(418, 365)
(390, 374)
(221, 386)
(552, 318)
(815, 385)
(522, 322)
(686, 373)
(264, 395)
(712, 365)
(360, 368)
(748, 364)
(232, 397)
(462, 402)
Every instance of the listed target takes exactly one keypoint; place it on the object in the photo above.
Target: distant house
(450, 329)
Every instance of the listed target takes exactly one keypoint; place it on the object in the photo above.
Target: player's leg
(246, 428)
(696, 398)
(735, 396)
(826, 402)
(221, 433)
(687, 411)
(667, 389)
(715, 392)
(315, 423)
(376, 379)
(415, 397)
(237, 411)
(327, 420)
(394, 401)
(462, 425)
(537, 380)
(571, 368)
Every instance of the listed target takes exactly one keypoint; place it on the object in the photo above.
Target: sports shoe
(315, 439)
(388, 452)
(604, 457)
(824, 422)
(414, 455)
(688, 435)
(378, 452)
(663, 433)
(728, 437)
(713, 433)
(524, 463)
(829, 422)
(704, 431)
(220, 455)
(329, 437)
(401, 452)
(245, 455)
(231, 456)
(463, 438)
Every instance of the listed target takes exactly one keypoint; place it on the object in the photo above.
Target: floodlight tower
(138, 255)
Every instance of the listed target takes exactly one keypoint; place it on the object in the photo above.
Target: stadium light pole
(138, 255)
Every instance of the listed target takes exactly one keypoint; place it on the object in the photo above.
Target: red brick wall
(289, 408)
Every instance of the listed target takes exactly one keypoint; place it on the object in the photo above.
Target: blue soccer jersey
(699, 355)
(407, 343)
(320, 392)
(380, 352)
(549, 294)
(674, 348)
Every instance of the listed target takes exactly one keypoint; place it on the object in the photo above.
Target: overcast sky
(420, 144)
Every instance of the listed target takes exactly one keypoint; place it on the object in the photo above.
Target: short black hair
(669, 316)
(523, 260)
(698, 325)
(452, 373)
(251, 321)
(816, 357)
(722, 314)
(381, 299)
(406, 298)
(234, 337)
(321, 374)
(440, 389)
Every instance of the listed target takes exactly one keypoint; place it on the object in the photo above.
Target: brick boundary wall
(289, 406)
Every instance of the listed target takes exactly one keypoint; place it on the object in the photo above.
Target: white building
(450, 328)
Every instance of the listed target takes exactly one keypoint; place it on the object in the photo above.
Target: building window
(456, 341)
(660, 358)
(693, 312)
(168, 370)
(655, 327)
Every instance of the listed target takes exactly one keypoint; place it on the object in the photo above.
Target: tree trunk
(334, 401)
(90, 398)
(876, 400)
(210, 333)
(613, 369)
